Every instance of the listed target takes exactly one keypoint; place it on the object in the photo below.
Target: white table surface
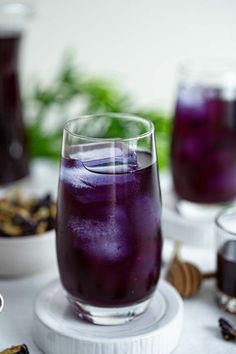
(200, 332)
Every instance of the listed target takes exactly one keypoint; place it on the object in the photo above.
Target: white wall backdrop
(138, 42)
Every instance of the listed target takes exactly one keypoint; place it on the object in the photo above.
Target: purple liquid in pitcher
(203, 152)
(13, 154)
(108, 232)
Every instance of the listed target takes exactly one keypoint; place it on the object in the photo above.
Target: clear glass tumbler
(203, 151)
(108, 225)
(226, 259)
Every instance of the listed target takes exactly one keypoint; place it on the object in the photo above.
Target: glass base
(107, 316)
(227, 302)
(195, 211)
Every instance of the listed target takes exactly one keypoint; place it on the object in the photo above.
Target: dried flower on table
(227, 330)
(19, 349)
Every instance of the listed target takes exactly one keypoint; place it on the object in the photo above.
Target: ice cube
(105, 240)
(109, 157)
(104, 177)
(145, 215)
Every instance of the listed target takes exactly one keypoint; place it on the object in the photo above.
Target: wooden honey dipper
(185, 276)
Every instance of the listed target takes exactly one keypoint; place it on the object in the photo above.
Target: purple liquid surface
(203, 152)
(13, 154)
(108, 231)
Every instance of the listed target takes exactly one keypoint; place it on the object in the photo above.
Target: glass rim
(208, 65)
(124, 116)
(225, 212)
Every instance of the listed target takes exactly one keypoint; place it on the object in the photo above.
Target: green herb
(72, 89)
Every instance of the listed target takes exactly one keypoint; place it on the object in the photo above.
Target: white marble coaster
(57, 330)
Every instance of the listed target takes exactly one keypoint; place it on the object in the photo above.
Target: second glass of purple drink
(203, 151)
(109, 209)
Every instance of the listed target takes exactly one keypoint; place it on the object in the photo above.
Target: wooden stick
(209, 275)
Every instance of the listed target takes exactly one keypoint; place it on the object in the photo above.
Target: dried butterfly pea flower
(19, 349)
(45, 201)
(8, 228)
(41, 227)
(227, 330)
(31, 216)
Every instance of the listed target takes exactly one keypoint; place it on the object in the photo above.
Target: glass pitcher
(13, 148)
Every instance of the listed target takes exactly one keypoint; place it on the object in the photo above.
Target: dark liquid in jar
(226, 265)
(13, 152)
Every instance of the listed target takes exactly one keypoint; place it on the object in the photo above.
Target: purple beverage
(203, 152)
(108, 235)
(13, 152)
(226, 268)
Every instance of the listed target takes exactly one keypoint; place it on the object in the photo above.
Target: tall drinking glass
(203, 152)
(108, 225)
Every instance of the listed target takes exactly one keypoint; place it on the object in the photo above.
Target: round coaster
(57, 330)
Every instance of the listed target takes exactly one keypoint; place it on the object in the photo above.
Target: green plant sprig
(71, 87)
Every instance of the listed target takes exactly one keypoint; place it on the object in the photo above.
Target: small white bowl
(24, 255)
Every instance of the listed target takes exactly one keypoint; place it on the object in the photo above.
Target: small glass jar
(226, 259)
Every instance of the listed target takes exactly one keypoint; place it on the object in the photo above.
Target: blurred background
(80, 57)
(138, 43)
